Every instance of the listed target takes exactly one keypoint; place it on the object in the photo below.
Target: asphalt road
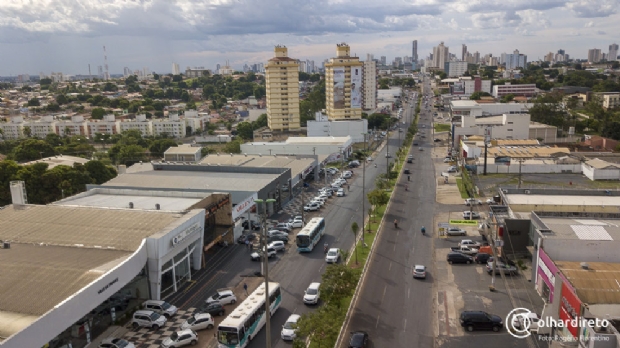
(296, 271)
(392, 307)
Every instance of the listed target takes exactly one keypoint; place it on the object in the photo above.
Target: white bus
(310, 235)
(244, 323)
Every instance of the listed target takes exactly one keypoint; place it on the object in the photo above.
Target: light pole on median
(363, 191)
(265, 264)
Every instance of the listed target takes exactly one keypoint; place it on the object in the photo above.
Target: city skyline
(44, 37)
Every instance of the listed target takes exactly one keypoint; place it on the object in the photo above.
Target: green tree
(261, 121)
(52, 107)
(110, 87)
(233, 146)
(478, 95)
(354, 229)
(34, 102)
(245, 130)
(177, 78)
(27, 131)
(99, 172)
(322, 325)
(378, 197)
(45, 81)
(338, 282)
(61, 99)
(32, 149)
(8, 170)
(97, 113)
(158, 147)
(507, 98)
(304, 76)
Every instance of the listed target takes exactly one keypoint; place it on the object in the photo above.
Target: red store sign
(570, 308)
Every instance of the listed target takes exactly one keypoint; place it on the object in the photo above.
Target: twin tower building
(350, 87)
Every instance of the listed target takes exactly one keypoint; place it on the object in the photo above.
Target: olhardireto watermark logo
(520, 322)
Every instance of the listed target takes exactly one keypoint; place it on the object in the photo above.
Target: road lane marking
(408, 293)
(445, 303)
(377, 324)
(397, 232)
(394, 247)
(382, 296)
(389, 269)
(405, 327)
(320, 269)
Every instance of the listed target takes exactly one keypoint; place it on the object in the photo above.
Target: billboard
(458, 88)
(356, 87)
(338, 88)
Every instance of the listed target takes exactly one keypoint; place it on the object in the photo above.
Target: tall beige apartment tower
(343, 85)
(282, 89)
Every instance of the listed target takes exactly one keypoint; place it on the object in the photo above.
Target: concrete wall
(600, 174)
(513, 168)
(582, 250)
(353, 128)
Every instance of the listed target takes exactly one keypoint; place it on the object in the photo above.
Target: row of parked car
(326, 192)
(469, 251)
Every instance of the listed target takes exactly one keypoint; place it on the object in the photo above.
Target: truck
(465, 250)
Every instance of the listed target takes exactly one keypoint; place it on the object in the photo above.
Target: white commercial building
(301, 146)
(596, 169)
(506, 126)
(456, 69)
(322, 127)
(611, 100)
(62, 262)
(527, 90)
(389, 95)
(471, 107)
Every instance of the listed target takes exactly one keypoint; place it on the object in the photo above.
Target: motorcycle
(423, 231)
(325, 249)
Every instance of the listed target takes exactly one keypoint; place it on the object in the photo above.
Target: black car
(483, 258)
(409, 160)
(213, 308)
(456, 257)
(479, 320)
(436, 140)
(407, 171)
(249, 237)
(415, 143)
(359, 339)
(255, 225)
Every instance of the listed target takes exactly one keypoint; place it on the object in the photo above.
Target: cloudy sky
(68, 35)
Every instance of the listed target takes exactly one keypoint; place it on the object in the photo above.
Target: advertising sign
(502, 160)
(570, 308)
(458, 88)
(463, 222)
(546, 271)
(356, 87)
(244, 206)
(338, 88)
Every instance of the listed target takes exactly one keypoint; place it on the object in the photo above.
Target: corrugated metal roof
(599, 284)
(600, 164)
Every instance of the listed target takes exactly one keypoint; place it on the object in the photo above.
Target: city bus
(310, 235)
(244, 323)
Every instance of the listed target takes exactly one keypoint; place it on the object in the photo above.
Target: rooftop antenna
(105, 61)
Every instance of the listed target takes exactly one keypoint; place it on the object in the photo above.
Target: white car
(255, 256)
(288, 329)
(419, 271)
(328, 191)
(447, 160)
(469, 243)
(223, 297)
(340, 192)
(347, 175)
(455, 231)
(116, 343)
(284, 226)
(324, 197)
(312, 207)
(199, 321)
(318, 201)
(341, 181)
(333, 255)
(162, 307)
(336, 185)
(533, 318)
(277, 245)
(297, 222)
(491, 201)
(312, 294)
(469, 215)
(180, 339)
(472, 201)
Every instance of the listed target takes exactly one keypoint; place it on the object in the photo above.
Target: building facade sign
(186, 233)
(570, 308)
(546, 272)
(244, 206)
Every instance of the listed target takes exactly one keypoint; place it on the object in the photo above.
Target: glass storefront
(176, 271)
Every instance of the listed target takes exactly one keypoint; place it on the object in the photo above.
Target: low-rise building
(597, 169)
(173, 126)
(611, 100)
(75, 126)
(13, 129)
(301, 146)
(527, 90)
(44, 126)
(183, 153)
(107, 125)
(140, 123)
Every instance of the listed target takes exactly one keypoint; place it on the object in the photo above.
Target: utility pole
(521, 160)
(363, 190)
(265, 266)
(387, 153)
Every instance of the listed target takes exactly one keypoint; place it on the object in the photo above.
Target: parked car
(347, 175)
(452, 169)
(479, 320)
(419, 271)
(436, 140)
(409, 160)
(223, 297)
(312, 207)
(415, 143)
(214, 308)
(407, 171)
(501, 267)
(455, 231)
(470, 215)
(199, 321)
(146, 318)
(448, 160)
(273, 233)
(465, 250)
(161, 307)
(312, 294)
(419, 148)
(457, 257)
(482, 258)
(251, 224)
(504, 261)
(491, 201)
(533, 319)
(278, 238)
(257, 256)
(333, 255)
(277, 245)
(116, 343)
(469, 243)
(340, 192)
(289, 332)
(319, 201)
(472, 201)
(180, 338)
(297, 222)
(284, 226)
(359, 339)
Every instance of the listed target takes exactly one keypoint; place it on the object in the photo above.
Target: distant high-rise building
(398, 61)
(126, 72)
(369, 57)
(463, 52)
(515, 60)
(343, 81)
(146, 71)
(282, 89)
(456, 69)
(549, 57)
(175, 69)
(217, 68)
(561, 51)
(613, 52)
(441, 55)
(476, 57)
(414, 54)
(369, 84)
(302, 65)
(383, 61)
(594, 55)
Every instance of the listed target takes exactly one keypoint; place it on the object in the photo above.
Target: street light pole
(265, 265)
(387, 153)
(363, 190)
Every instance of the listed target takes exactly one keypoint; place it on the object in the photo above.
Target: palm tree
(354, 229)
